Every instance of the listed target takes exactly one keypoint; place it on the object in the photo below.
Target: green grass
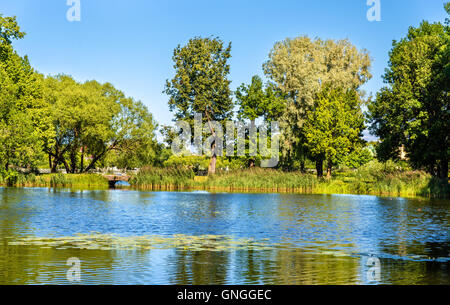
(375, 178)
(163, 178)
(385, 179)
(55, 180)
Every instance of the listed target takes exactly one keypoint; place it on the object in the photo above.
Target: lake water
(135, 237)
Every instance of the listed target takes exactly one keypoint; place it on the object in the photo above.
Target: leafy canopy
(413, 109)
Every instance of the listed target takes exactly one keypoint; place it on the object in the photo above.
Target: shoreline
(224, 190)
(366, 181)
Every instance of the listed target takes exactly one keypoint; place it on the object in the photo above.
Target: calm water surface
(135, 237)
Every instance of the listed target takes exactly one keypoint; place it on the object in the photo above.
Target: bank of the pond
(401, 184)
(361, 182)
(56, 180)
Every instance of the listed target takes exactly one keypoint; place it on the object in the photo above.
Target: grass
(386, 179)
(155, 178)
(55, 180)
(375, 178)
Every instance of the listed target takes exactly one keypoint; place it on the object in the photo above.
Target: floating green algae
(97, 241)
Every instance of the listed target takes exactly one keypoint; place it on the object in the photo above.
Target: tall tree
(258, 101)
(23, 122)
(201, 84)
(413, 110)
(333, 127)
(301, 68)
(92, 119)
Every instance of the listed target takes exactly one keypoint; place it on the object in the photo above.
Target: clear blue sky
(130, 43)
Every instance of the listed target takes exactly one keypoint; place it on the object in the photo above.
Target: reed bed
(373, 179)
(56, 180)
(384, 179)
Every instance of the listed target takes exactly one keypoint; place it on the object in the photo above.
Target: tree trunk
(329, 169)
(302, 166)
(319, 168)
(82, 160)
(98, 157)
(54, 166)
(50, 164)
(73, 162)
(212, 163)
(66, 165)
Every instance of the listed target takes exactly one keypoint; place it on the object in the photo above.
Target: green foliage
(168, 133)
(412, 111)
(97, 120)
(334, 125)
(9, 30)
(358, 157)
(200, 84)
(301, 68)
(255, 101)
(22, 125)
(202, 163)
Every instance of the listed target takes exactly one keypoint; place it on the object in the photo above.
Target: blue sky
(130, 43)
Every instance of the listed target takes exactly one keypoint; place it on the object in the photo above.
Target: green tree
(135, 138)
(23, 123)
(359, 157)
(413, 110)
(301, 68)
(201, 84)
(333, 127)
(255, 101)
(93, 119)
(168, 133)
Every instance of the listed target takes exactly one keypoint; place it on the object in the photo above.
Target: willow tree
(413, 110)
(201, 85)
(301, 68)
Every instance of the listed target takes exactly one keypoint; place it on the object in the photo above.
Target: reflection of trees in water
(32, 264)
(302, 268)
(36, 265)
(13, 219)
(294, 267)
(278, 266)
(201, 267)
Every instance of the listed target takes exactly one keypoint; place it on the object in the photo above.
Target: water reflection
(315, 239)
